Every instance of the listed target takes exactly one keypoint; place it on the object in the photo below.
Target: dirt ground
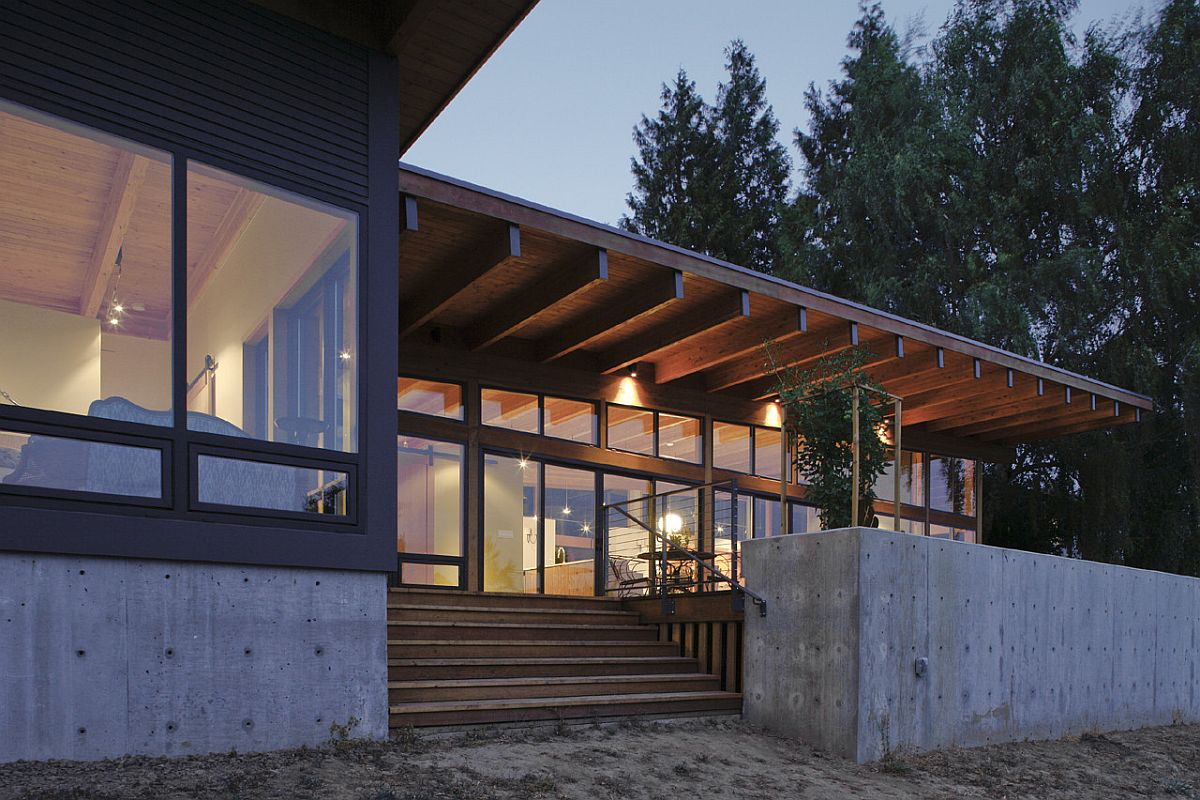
(696, 759)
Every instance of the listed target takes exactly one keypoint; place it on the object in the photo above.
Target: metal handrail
(668, 602)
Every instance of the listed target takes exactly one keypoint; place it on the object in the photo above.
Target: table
(676, 558)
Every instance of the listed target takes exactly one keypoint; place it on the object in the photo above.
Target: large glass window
(767, 444)
(805, 518)
(429, 506)
(680, 438)
(767, 521)
(512, 492)
(631, 430)
(55, 462)
(513, 410)
(277, 487)
(85, 272)
(573, 420)
(952, 485)
(429, 397)
(912, 480)
(272, 314)
(569, 531)
(731, 446)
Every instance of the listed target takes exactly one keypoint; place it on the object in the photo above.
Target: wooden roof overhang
(494, 273)
(440, 44)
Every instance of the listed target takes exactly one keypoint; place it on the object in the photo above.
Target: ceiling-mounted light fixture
(633, 370)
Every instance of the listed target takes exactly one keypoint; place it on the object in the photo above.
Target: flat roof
(535, 277)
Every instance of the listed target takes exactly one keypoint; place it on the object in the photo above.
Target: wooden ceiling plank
(564, 282)
(237, 217)
(128, 176)
(647, 299)
(766, 387)
(672, 333)
(805, 353)
(1036, 411)
(1060, 426)
(449, 282)
(778, 327)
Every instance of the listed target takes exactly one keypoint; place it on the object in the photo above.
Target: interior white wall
(137, 369)
(262, 268)
(49, 359)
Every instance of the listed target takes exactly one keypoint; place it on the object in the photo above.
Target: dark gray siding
(229, 81)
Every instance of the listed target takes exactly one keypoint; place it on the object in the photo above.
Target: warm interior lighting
(627, 393)
(523, 464)
(566, 511)
(672, 523)
(344, 355)
(772, 415)
(633, 370)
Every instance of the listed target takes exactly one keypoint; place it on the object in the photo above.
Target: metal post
(854, 518)
(896, 427)
(733, 531)
(785, 461)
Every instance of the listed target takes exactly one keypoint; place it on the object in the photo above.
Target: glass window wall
(631, 430)
(731, 447)
(272, 324)
(952, 485)
(429, 502)
(512, 501)
(85, 271)
(767, 444)
(429, 397)
(573, 420)
(680, 438)
(277, 487)
(512, 410)
(569, 532)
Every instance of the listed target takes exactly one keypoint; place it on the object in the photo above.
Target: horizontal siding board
(219, 117)
(214, 141)
(231, 83)
(256, 26)
(204, 77)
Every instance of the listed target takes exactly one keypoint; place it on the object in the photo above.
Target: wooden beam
(560, 285)
(766, 387)
(1080, 420)
(676, 332)
(832, 337)
(233, 224)
(746, 342)
(128, 176)
(1035, 409)
(974, 404)
(441, 289)
(647, 299)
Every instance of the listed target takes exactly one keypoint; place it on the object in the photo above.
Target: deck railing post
(896, 428)
(854, 518)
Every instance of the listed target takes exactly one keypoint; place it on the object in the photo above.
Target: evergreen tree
(672, 151)
(712, 178)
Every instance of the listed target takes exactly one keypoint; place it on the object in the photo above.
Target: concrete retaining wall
(105, 657)
(1014, 645)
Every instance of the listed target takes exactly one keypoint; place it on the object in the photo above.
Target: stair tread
(483, 661)
(523, 625)
(566, 612)
(438, 706)
(452, 683)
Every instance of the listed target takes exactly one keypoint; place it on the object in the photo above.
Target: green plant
(339, 735)
(817, 408)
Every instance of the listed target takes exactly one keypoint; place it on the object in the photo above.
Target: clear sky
(550, 116)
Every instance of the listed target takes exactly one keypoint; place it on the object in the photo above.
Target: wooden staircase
(465, 659)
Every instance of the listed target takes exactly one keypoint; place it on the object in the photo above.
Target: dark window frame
(88, 524)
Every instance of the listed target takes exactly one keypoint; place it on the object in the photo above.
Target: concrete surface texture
(102, 657)
(877, 643)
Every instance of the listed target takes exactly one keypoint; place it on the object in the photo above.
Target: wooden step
(402, 669)
(403, 692)
(592, 706)
(398, 611)
(519, 631)
(468, 648)
(454, 597)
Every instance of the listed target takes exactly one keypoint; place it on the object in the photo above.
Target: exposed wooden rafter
(439, 290)
(665, 335)
(648, 299)
(779, 327)
(561, 284)
(128, 176)
(233, 224)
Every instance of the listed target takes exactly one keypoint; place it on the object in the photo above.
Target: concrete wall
(1017, 645)
(106, 657)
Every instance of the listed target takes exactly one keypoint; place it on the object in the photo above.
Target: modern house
(253, 374)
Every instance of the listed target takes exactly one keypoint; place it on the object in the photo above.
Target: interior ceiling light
(633, 370)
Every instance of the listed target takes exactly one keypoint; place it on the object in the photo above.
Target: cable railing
(674, 543)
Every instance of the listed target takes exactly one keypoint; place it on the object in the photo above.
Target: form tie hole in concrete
(320, 651)
(168, 577)
(83, 572)
(81, 653)
(248, 651)
(247, 724)
(82, 731)
(170, 727)
(170, 652)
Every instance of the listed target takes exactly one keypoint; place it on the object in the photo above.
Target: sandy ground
(697, 759)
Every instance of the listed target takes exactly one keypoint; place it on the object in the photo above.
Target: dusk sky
(550, 116)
